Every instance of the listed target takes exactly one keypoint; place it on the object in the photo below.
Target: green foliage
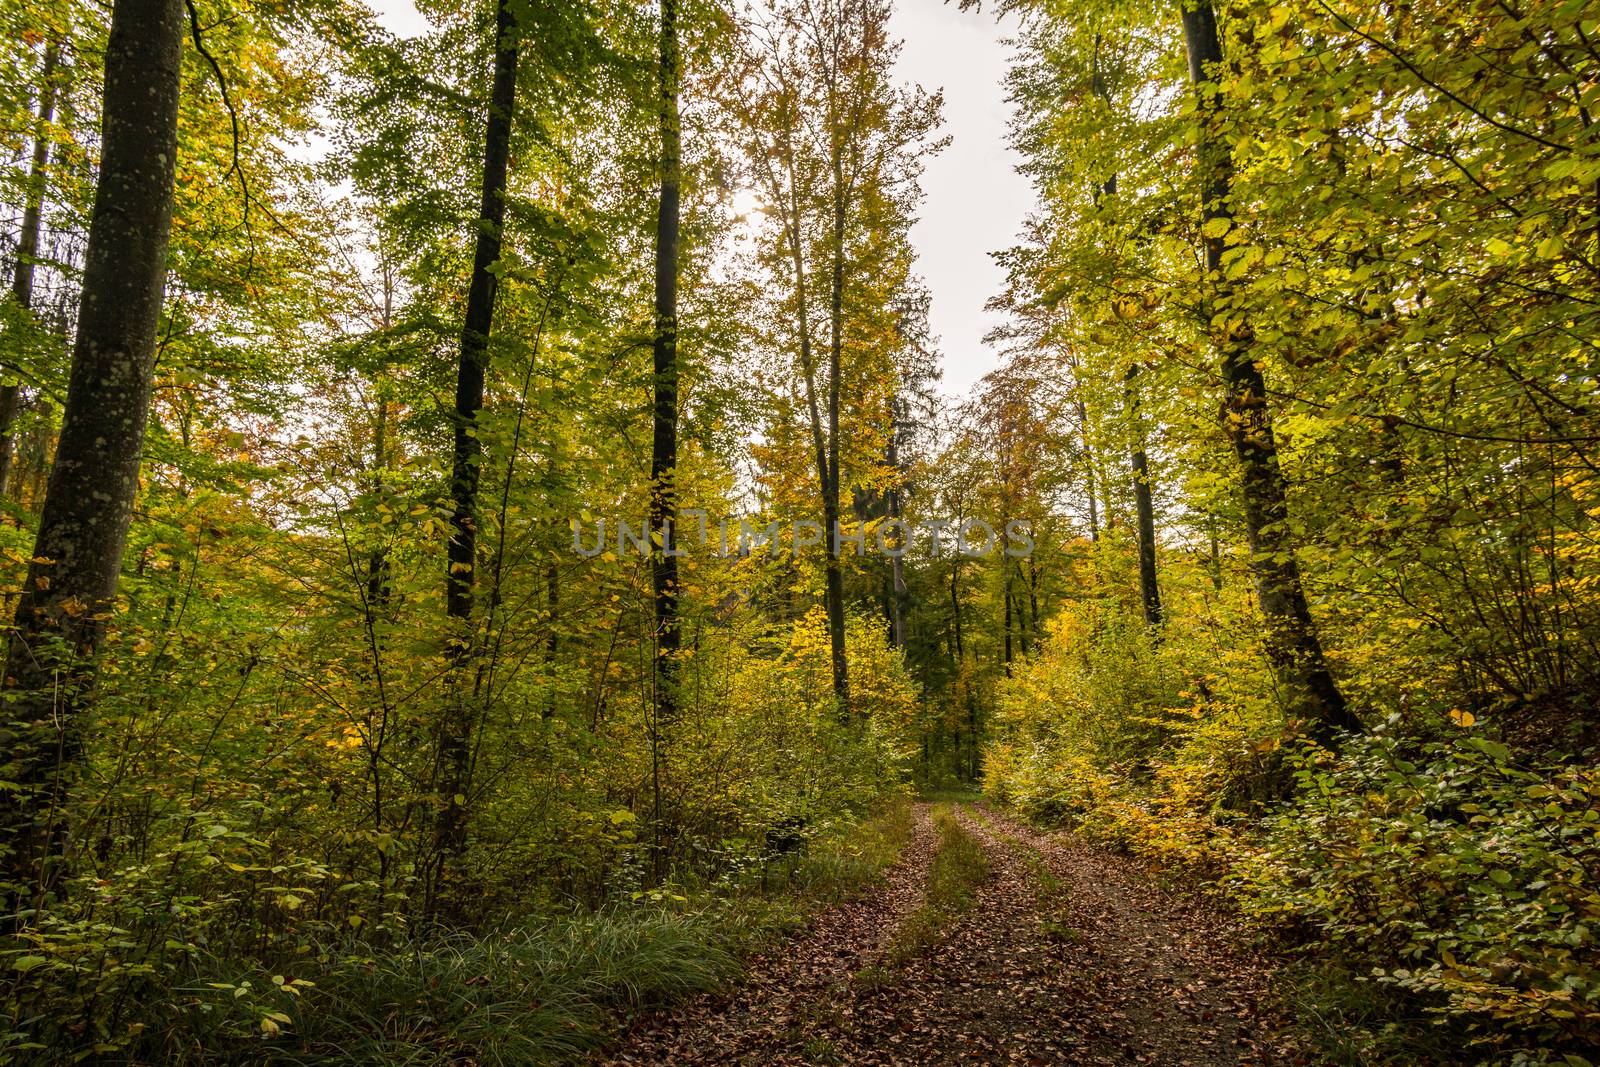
(1155, 741)
(253, 867)
(1354, 1022)
(251, 864)
(540, 994)
(1463, 877)
(1451, 873)
(1403, 239)
(210, 934)
(211, 952)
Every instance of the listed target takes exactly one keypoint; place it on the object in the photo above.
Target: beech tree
(1291, 639)
(71, 585)
(664, 439)
(832, 146)
(1143, 502)
(454, 774)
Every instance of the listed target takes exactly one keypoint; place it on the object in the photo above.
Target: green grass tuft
(545, 993)
(959, 867)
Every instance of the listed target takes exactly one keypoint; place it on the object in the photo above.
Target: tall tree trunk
(972, 732)
(455, 738)
(830, 488)
(378, 556)
(955, 609)
(1149, 589)
(1032, 580)
(897, 572)
(72, 580)
(664, 452)
(1090, 489)
(1292, 642)
(1005, 590)
(378, 569)
(27, 253)
(34, 455)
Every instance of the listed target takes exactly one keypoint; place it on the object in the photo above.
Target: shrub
(1461, 876)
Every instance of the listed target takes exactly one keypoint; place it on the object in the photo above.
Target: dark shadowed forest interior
(494, 573)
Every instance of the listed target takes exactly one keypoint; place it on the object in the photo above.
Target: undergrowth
(1439, 883)
(548, 990)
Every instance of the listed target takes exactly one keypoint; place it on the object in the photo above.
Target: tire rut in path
(1152, 979)
(992, 990)
(765, 1019)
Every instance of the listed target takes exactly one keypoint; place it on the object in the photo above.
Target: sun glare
(746, 205)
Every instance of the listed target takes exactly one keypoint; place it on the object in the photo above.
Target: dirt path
(1067, 956)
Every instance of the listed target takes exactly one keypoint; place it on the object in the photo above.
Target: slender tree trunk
(378, 557)
(33, 458)
(955, 609)
(1005, 588)
(830, 490)
(1144, 509)
(897, 571)
(1214, 562)
(455, 738)
(378, 569)
(1024, 621)
(664, 453)
(72, 580)
(1292, 642)
(972, 732)
(1090, 489)
(552, 567)
(552, 637)
(1032, 580)
(27, 253)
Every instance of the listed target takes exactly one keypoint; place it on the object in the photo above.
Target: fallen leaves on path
(1069, 955)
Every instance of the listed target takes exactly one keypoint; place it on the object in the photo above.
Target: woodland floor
(1068, 955)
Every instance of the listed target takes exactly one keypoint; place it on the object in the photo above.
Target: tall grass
(545, 993)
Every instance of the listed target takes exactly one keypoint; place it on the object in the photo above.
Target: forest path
(1067, 955)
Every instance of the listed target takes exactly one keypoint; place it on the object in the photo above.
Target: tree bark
(378, 557)
(27, 253)
(1005, 591)
(955, 610)
(898, 594)
(1292, 642)
(664, 451)
(830, 487)
(1090, 489)
(455, 740)
(1144, 508)
(1032, 581)
(71, 584)
(378, 569)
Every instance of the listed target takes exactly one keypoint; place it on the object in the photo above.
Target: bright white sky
(975, 200)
